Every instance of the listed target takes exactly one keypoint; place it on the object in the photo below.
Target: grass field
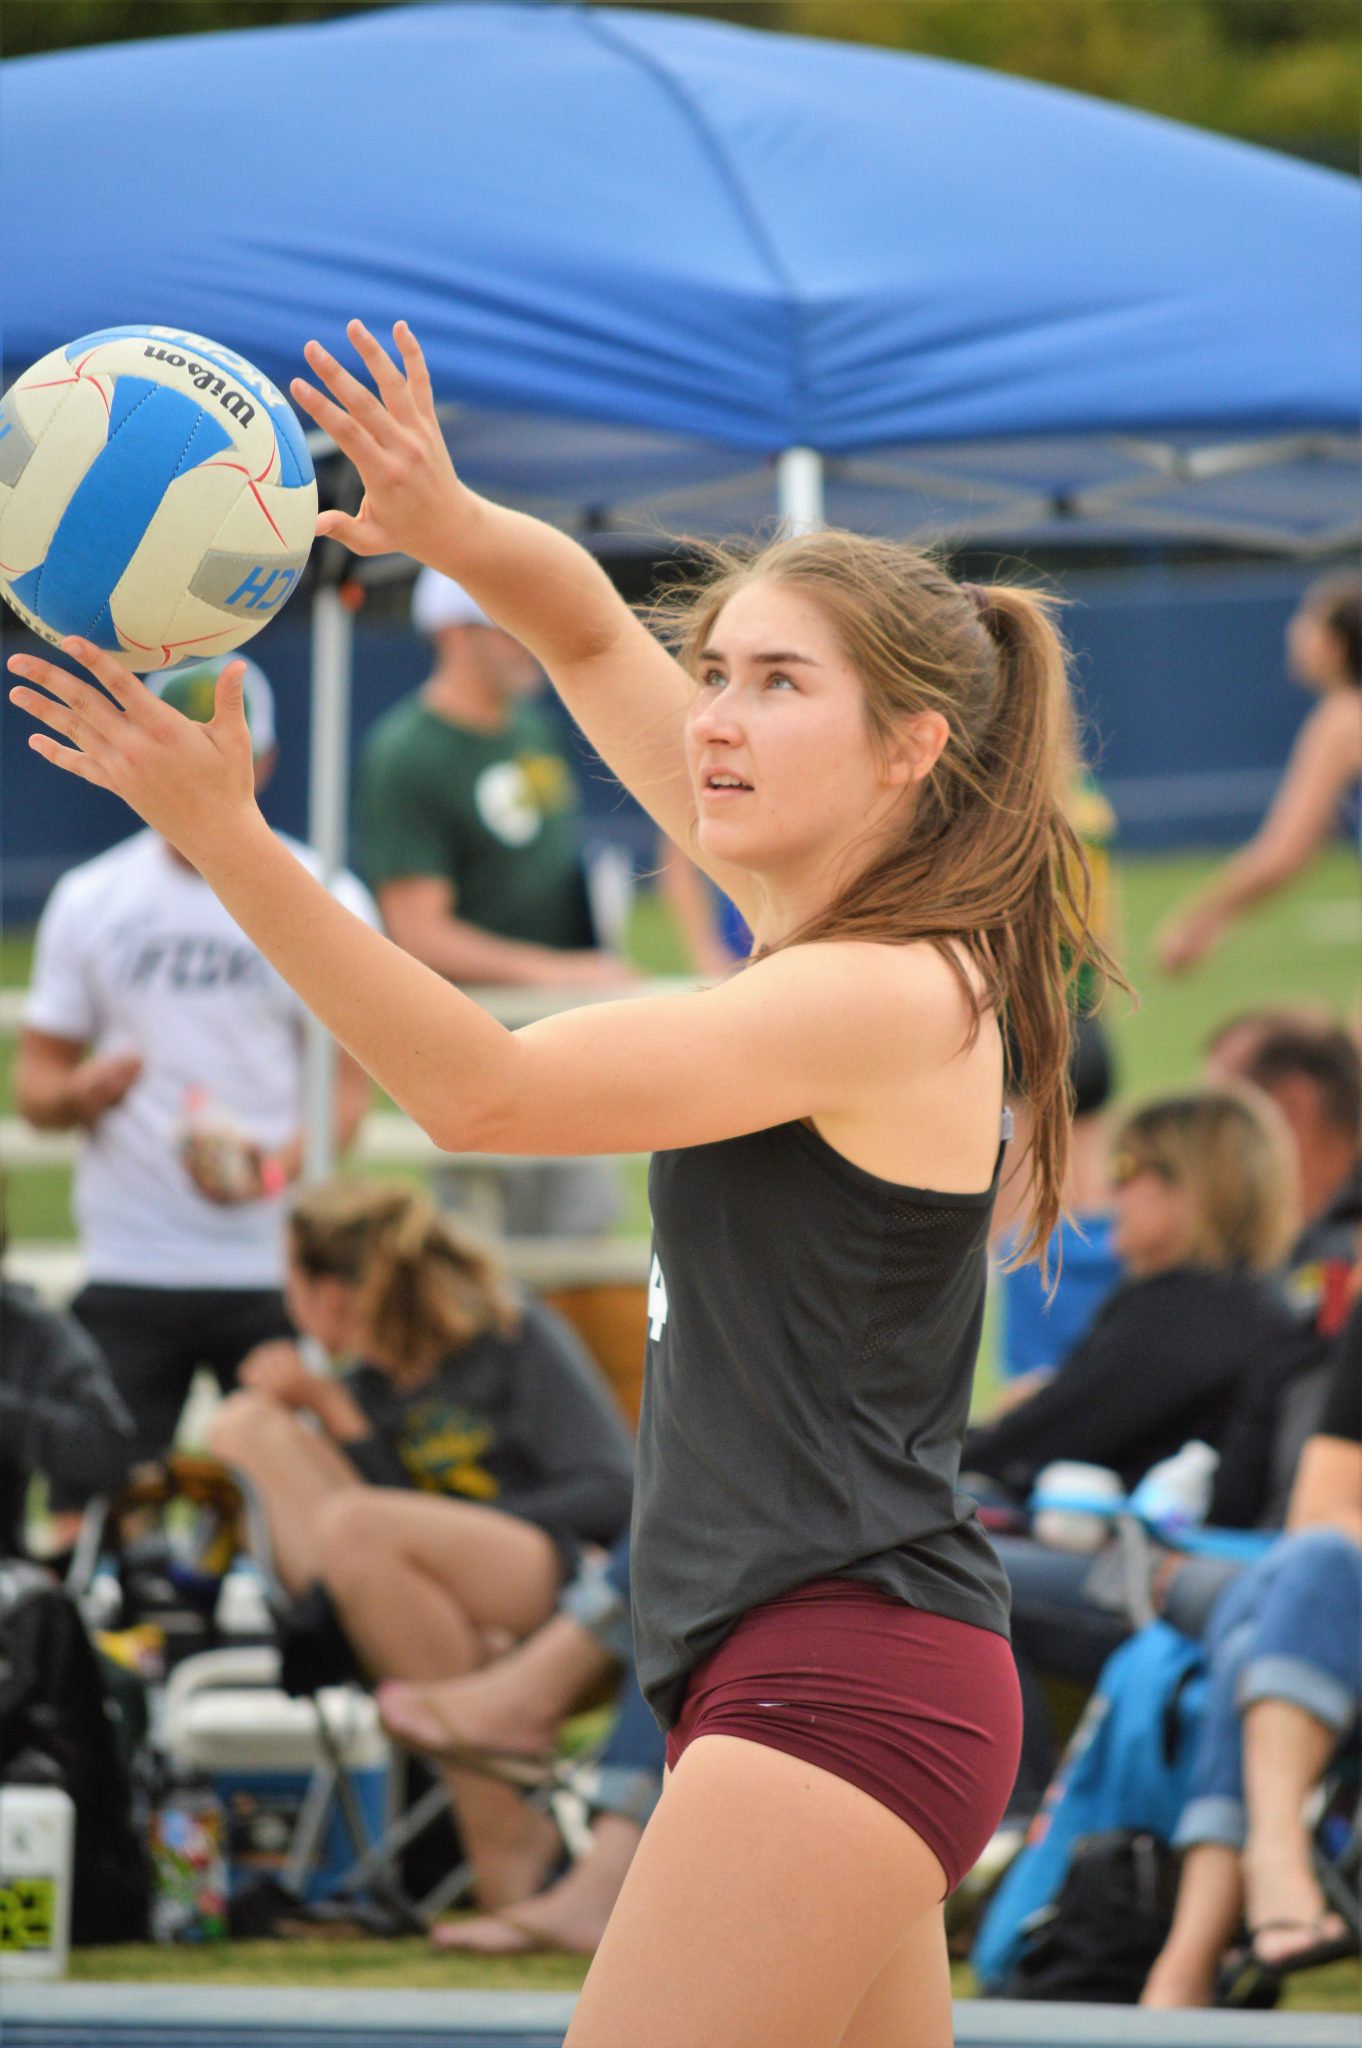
(1305, 946)
(408, 1965)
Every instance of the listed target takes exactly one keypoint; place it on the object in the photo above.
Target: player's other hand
(100, 1083)
(393, 437)
(192, 783)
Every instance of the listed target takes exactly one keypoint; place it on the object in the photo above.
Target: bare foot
(482, 1710)
(570, 1915)
(1175, 1984)
(1285, 1909)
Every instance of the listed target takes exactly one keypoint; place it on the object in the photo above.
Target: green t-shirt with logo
(495, 813)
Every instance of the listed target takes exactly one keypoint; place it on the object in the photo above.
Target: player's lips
(721, 785)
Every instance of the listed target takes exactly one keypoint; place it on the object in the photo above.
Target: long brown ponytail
(425, 1285)
(988, 860)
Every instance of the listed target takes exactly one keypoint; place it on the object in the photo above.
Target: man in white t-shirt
(155, 1028)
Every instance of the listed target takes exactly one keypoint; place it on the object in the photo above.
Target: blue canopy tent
(672, 275)
(649, 255)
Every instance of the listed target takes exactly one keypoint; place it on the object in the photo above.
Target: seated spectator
(60, 1414)
(442, 1489)
(1285, 1648)
(1202, 1195)
(512, 1709)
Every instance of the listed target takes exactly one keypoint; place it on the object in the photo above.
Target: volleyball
(156, 496)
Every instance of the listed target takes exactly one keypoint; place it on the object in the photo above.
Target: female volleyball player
(864, 756)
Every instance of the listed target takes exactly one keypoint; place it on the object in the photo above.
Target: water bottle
(189, 1858)
(1175, 1495)
(37, 1845)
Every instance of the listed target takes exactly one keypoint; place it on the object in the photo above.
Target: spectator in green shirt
(469, 822)
(469, 814)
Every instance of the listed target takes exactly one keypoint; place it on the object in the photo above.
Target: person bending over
(442, 1488)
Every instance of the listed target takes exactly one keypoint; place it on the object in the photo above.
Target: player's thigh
(766, 1899)
(909, 2003)
(241, 1319)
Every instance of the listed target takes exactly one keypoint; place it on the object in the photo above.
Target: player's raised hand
(393, 437)
(191, 783)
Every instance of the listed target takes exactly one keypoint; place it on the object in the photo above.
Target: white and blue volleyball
(156, 496)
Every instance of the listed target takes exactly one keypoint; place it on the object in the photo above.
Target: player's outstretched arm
(625, 691)
(805, 1032)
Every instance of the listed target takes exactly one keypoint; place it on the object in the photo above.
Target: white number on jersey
(657, 1299)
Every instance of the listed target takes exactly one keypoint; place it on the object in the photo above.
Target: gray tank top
(811, 1347)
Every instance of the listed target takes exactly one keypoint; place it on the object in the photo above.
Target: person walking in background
(155, 1030)
(470, 837)
(1324, 653)
(445, 1485)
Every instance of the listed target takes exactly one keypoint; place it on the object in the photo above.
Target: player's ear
(917, 745)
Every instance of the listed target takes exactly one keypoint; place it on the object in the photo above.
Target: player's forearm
(441, 1058)
(536, 582)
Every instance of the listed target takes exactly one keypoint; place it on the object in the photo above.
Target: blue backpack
(1128, 1766)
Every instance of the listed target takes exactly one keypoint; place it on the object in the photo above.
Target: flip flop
(452, 1939)
(1248, 1980)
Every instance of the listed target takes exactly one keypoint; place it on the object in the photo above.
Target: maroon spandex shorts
(921, 1712)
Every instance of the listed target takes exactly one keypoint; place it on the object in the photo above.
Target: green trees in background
(1284, 72)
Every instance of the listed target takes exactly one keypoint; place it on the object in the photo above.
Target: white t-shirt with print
(136, 954)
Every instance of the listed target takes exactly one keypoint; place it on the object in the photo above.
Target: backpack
(1128, 1768)
(56, 1728)
(1108, 1923)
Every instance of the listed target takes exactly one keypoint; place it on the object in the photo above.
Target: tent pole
(332, 653)
(799, 489)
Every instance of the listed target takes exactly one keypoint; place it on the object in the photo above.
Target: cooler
(262, 1753)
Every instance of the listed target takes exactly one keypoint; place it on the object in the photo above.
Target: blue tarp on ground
(649, 253)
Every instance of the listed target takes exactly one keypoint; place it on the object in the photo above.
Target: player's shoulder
(876, 971)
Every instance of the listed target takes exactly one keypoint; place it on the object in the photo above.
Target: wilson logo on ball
(141, 517)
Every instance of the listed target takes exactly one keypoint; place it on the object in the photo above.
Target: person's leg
(415, 1580)
(622, 1787)
(1285, 1754)
(909, 2004)
(146, 1341)
(1298, 1694)
(1210, 1829)
(235, 1320)
(1209, 1903)
(294, 1469)
(766, 1903)
(518, 1702)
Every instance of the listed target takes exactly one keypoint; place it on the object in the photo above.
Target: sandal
(1247, 1979)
